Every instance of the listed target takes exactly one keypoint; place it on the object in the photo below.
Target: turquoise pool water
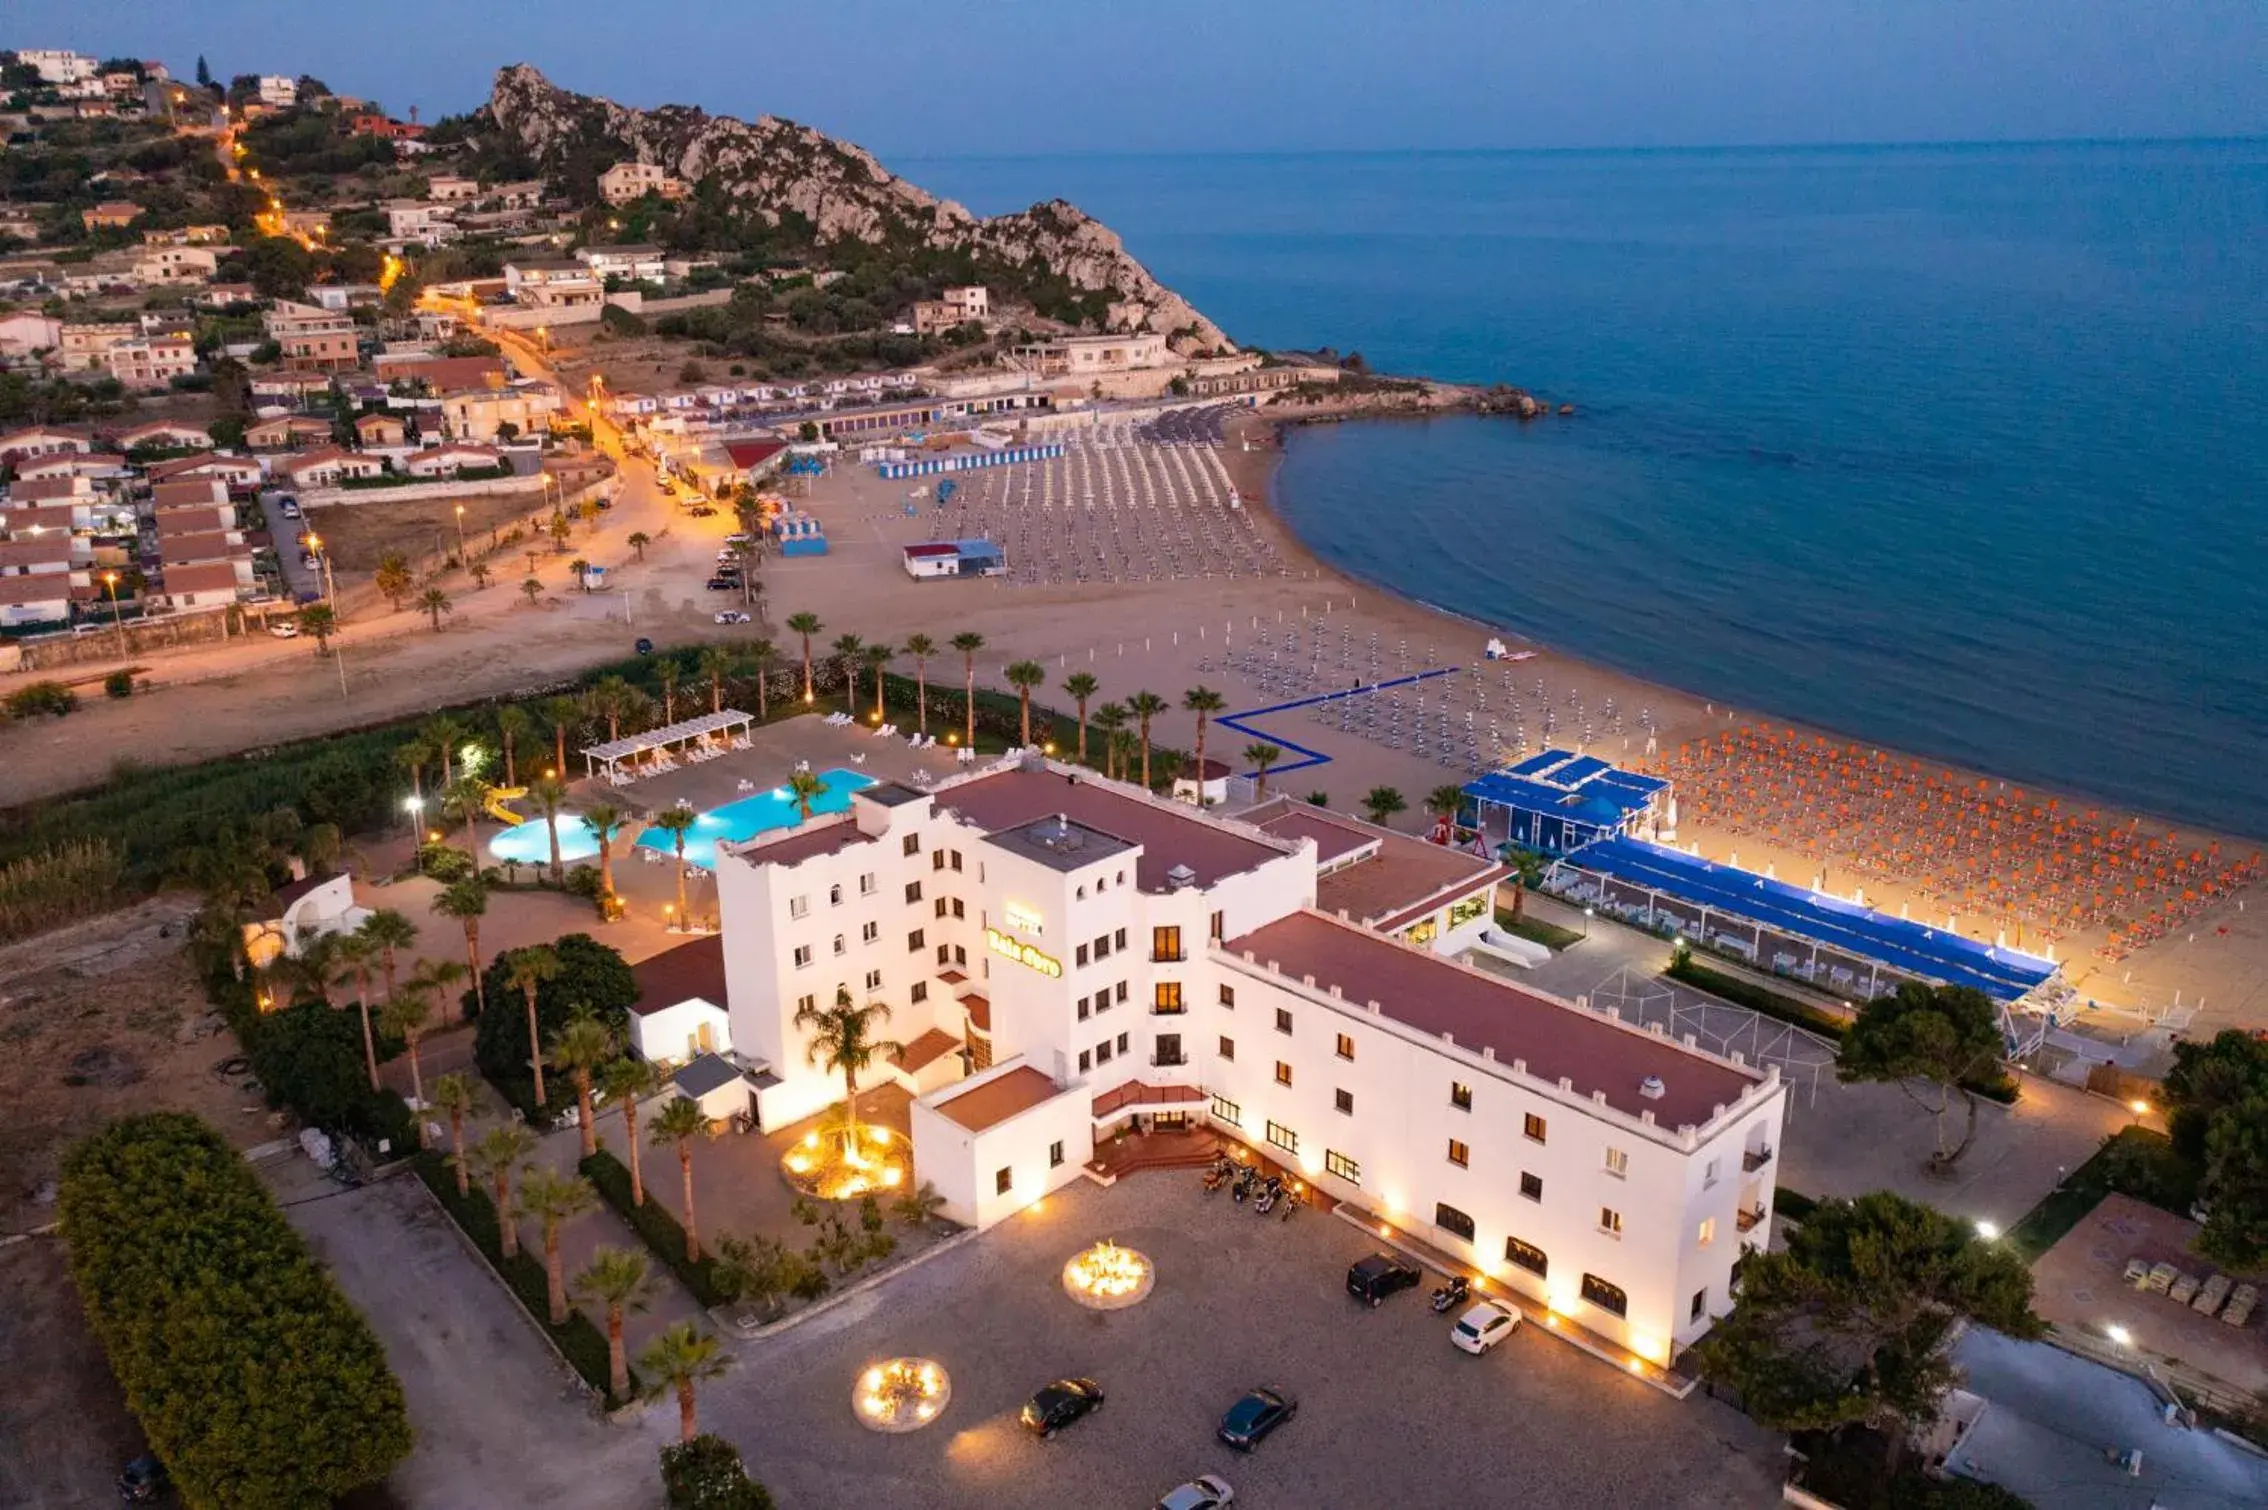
(529, 844)
(750, 816)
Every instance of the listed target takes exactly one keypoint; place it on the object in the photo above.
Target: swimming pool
(528, 843)
(750, 816)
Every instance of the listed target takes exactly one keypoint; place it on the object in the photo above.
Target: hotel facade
(1066, 956)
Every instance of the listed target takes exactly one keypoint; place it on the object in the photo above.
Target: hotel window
(1086, 1007)
(1228, 997)
(1227, 1111)
(1081, 956)
(806, 1002)
(840, 946)
(1345, 1168)
(1119, 938)
(944, 955)
(918, 992)
(1168, 1050)
(913, 892)
(799, 907)
(873, 980)
(1532, 1126)
(834, 896)
(1120, 991)
(1709, 1174)
(1460, 1096)
(1527, 1255)
(1459, 1154)
(960, 955)
(1122, 1041)
(1708, 1232)
(1165, 997)
(1610, 1221)
(1283, 1137)
(1464, 912)
(1618, 1163)
(802, 955)
(913, 844)
(1165, 944)
(1102, 947)
(1283, 1073)
(958, 910)
(936, 859)
(939, 909)
(1449, 1219)
(1002, 1181)
(1086, 1061)
(1283, 1020)
(1605, 1296)
(1055, 1155)
(1102, 1052)
(1344, 1101)
(1531, 1186)
(1228, 1047)
(1700, 1305)
(956, 859)
(866, 884)
(1345, 1047)
(869, 933)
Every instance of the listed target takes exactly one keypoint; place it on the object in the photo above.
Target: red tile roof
(793, 846)
(35, 587)
(210, 576)
(680, 974)
(1136, 1093)
(998, 1099)
(1168, 836)
(753, 453)
(980, 1011)
(925, 1050)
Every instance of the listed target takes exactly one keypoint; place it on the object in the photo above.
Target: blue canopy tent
(1559, 801)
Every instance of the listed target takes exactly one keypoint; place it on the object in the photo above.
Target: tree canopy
(591, 977)
(1935, 1043)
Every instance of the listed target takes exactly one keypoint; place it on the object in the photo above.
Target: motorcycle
(1452, 1293)
(1292, 1202)
(1215, 1178)
(1242, 1189)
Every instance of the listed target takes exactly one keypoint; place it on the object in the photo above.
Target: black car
(702, 511)
(1380, 1275)
(1261, 1411)
(1059, 1404)
(724, 584)
(143, 1482)
(644, 646)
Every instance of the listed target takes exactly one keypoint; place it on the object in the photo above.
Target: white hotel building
(1063, 953)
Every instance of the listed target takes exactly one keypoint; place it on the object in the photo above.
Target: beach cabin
(954, 558)
(799, 534)
(1558, 801)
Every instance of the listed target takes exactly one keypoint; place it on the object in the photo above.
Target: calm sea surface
(1964, 450)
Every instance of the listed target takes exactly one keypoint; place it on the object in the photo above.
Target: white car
(1204, 1492)
(732, 616)
(289, 508)
(1483, 1327)
(285, 629)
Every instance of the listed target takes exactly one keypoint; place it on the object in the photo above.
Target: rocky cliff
(778, 169)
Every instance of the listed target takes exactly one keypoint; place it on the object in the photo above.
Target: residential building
(337, 297)
(278, 92)
(150, 363)
(110, 215)
(1096, 356)
(449, 458)
(85, 344)
(625, 182)
(165, 434)
(187, 235)
(934, 317)
(58, 66)
(971, 302)
(211, 584)
(479, 415)
(314, 339)
(238, 474)
(379, 429)
(24, 332)
(426, 222)
(176, 264)
(552, 283)
(384, 128)
(330, 466)
(30, 600)
(637, 262)
(522, 194)
(44, 440)
(286, 432)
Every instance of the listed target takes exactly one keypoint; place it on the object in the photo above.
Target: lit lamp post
(323, 563)
(415, 807)
(462, 556)
(117, 620)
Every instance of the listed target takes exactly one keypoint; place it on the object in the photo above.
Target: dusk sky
(1038, 76)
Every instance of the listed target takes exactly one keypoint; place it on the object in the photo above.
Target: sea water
(1959, 449)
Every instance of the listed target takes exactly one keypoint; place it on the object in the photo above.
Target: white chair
(858, 757)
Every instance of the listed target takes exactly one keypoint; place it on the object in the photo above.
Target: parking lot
(1389, 1413)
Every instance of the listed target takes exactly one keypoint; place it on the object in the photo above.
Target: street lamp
(323, 563)
(117, 621)
(462, 555)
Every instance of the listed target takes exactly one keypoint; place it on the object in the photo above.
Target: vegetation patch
(2134, 1161)
(1535, 930)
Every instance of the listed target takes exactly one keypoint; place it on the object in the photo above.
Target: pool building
(1557, 801)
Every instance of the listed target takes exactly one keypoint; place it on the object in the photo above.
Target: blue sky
(1039, 76)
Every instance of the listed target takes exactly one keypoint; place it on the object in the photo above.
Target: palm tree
(467, 797)
(1024, 676)
(582, 1048)
(453, 1093)
(495, 1159)
(1204, 702)
(921, 647)
(513, 724)
(582, 570)
(321, 621)
(549, 794)
(805, 625)
(750, 555)
(435, 602)
(467, 902)
(1382, 803)
(675, 822)
(677, 1124)
(716, 664)
(1527, 871)
(604, 820)
(554, 1199)
(411, 755)
(1146, 705)
(848, 649)
(877, 657)
(616, 1280)
(1108, 720)
(409, 1017)
(627, 1082)
(480, 572)
(355, 955)
(1079, 686)
(638, 540)
(530, 968)
(1262, 755)
(613, 700)
(560, 714)
(442, 734)
(667, 674)
(968, 642)
(806, 789)
(840, 1040)
(531, 588)
(676, 1361)
(391, 930)
(1443, 802)
(761, 656)
(309, 972)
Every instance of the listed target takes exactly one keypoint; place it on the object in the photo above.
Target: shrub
(661, 1231)
(591, 977)
(706, 1474)
(309, 1059)
(444, 863)
(256, 1382)
(58, 885)
(584, 881)
(621, 322)
(51, 699)
(119, 684)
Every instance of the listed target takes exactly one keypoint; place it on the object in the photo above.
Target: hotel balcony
(1160, 1010)
(1755, 1159)
(1750, 1218)
(1168, 1061)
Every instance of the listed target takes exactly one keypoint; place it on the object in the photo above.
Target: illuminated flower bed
(904, 1394)
(843, 1164)
(1107, 1277)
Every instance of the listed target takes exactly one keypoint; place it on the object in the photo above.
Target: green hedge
(1792, 1205)
(258, 1385)
(1536, 931)
(579, 1339)
(663, 1232)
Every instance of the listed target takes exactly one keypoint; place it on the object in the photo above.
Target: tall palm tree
(1079, 686)
(806, 789)
(717, 665)
(677, 1124)
(454, 1094)
(408, 1015)
(442, 733)
(496, 1159)
(968, 642)
(391, 931)
(513, 724)
(1146, 705)
(616, 1280)
(878, 657)
(582, 1048)
(411, 755)
(1527, 871)
(805, 625)
(842, 1039)
(467, 797)
(467, 902)
(1024, 676)
(1382, 803)
(676, 822)
(627, 1082)
(554, 1199)
(604, 820)
(612, 699)
(1108, 720)
(356, 956)
(848, 649)
(530, 968)
(435, 602)
(676, 1361)
(1204, 702)
(561, 715)
(667, 674)
(549, 794)
(921, 647)
(762, 655)
(1262, 755)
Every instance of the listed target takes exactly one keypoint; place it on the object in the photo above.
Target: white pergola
(676, 736)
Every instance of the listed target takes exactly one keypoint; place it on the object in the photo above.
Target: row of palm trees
(349, 961)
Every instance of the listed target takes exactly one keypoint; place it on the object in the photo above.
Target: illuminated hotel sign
(1024, 919)
(1022, 953)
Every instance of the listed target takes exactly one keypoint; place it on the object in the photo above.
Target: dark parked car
(644, 646)
(724, 584)
(143, 1482)
(1261, 1411)
(1380, 1275)
(1059, 1404)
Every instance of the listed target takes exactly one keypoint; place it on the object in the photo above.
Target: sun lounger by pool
(2184, 1289)
(2162, 1276)
(2240, 1305)
(2211, 1293)
(2137, 1272)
